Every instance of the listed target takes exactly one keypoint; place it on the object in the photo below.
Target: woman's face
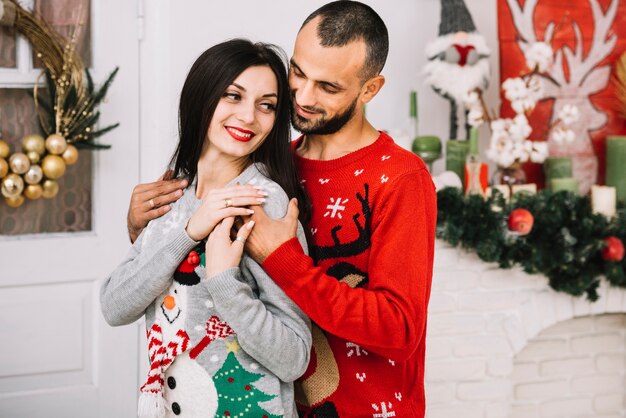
(245, 114)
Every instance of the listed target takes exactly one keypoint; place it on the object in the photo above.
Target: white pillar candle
(603, 200)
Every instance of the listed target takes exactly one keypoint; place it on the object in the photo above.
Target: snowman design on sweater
(191, 390)
(235, 337)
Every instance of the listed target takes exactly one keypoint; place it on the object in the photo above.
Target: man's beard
(322, 126)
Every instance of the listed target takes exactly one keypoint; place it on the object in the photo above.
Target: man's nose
(306, 95)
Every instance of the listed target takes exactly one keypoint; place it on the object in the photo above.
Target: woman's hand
(223, 253)
(220, 204)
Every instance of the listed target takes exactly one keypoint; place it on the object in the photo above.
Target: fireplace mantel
(480, 318)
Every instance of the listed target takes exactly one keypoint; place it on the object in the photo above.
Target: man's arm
(388, 317)
(150, 201)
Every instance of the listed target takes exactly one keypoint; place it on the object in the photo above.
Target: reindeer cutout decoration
(578, 73)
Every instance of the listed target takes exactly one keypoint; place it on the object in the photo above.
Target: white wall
(175, 35)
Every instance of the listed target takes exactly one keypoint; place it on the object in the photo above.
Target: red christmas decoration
(193, 258)
(613, 249)
(588, 37)
(521, 221)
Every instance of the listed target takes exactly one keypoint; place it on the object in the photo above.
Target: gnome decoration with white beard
(457, 61)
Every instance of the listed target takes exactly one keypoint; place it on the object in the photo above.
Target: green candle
(428, 147)
(566, 183)
(557, 167)
(456, 154)
(616, 165)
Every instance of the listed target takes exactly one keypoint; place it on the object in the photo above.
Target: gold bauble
(55, 144)
(53, 166)
(12, 185)
(4, 167)
(50, 189)
(15, 202)
(33, 175)
(19, 163)
(33, 143)
(33, 157)
(70, 155)
(33, 191)
(5, 150)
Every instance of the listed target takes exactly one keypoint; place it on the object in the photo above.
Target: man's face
(325, 83)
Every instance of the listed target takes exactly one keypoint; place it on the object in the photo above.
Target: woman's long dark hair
(208, 79)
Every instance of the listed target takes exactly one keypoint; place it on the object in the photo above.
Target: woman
(223, 339)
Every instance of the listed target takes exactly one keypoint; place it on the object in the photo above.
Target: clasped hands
(225, 218)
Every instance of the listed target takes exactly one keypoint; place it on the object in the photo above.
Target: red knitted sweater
(367, 284)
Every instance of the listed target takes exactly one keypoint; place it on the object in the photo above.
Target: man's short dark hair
(346, 21)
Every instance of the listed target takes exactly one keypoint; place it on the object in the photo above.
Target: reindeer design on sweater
(310, 392)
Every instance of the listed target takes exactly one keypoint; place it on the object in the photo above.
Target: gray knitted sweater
(228, 345)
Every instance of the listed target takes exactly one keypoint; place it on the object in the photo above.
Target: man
(367, 284)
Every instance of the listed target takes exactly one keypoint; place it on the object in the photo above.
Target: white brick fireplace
(502, 343)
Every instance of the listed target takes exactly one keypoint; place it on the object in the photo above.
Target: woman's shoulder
(277, 200)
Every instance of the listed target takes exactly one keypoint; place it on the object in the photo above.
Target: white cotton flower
(520, 129)
(539, 152)
(569, 114)
(515, 89)
(471, 99)
(523, 105)
(475, 117)
(540, 56)
(505, 159)
(498, 125)
(563, 136)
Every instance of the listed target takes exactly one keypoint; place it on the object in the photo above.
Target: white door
(57, 356)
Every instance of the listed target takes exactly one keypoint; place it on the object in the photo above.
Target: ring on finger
(227, 203)
(152, 204)
(240, 239)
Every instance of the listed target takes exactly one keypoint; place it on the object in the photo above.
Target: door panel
(58, 358)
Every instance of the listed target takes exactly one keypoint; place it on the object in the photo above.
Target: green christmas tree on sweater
(237, 396)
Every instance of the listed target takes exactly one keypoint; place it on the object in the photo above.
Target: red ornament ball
(521, 221)
(613, 249)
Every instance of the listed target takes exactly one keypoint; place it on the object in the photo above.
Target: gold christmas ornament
(53, 166)
(33, 143)
(33, 175)
(33, 157)
(4, 167)
(12, 185)
(70, 155)
(50, 189)
(56, 144)
(5, 150)
(15, 202)
(69, 116)
(19, 163)
(33, 191)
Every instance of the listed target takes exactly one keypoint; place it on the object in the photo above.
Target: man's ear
(372, 87)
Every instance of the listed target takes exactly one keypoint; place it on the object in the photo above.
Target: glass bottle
(476, 171)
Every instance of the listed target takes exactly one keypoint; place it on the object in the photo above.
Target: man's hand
(269, 234)
(150, 201)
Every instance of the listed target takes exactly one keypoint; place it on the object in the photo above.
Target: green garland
(565, 243)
